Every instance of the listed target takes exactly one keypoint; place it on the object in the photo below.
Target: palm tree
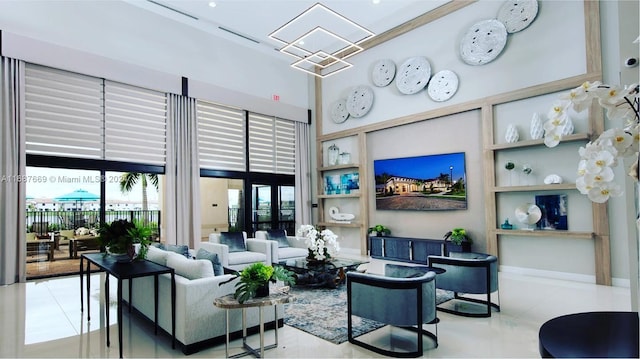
(128, 180)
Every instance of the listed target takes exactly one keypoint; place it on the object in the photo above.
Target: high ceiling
(249, 22)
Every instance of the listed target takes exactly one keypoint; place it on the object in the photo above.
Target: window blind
(63, 113)
(271, 144)
(135, 124)
(221, 137)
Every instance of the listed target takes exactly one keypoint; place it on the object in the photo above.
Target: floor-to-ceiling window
(66, 207)
(83, 134)
(247, 161)
(60, 202)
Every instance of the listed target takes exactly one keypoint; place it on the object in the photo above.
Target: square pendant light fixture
(320, 40)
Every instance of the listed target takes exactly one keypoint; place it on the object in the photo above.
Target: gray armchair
(404, 297)
(236, 251)
(469, 273)
(283, 247)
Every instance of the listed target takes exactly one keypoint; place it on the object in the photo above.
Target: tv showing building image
(422, 183)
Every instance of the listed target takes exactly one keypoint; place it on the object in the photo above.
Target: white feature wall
(552, 47)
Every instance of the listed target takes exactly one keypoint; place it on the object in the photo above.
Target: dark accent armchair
(468, 273)
(403, 298)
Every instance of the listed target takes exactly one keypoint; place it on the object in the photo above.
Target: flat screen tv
(422, 183)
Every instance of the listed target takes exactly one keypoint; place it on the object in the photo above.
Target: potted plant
(321, 244)
(120, 236)
(457, 241)
(254, 280)
(379, 230)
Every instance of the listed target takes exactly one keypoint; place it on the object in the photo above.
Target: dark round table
(590, 335)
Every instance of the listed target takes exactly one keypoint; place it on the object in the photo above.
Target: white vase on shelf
(536, 129)
(512, 135)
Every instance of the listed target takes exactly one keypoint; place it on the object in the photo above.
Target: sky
(422, 167)
(54, 182)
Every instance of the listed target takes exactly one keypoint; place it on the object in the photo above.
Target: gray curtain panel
(13, 165)
(182, 172)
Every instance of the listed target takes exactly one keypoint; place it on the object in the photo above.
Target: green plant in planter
(379, 230)
(119, 237)
(257, 276)
(458, 235)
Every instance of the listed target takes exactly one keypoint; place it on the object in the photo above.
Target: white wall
(526, 60)
(552, 48)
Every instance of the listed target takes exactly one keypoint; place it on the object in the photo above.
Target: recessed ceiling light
(376, 1)
(212, 4)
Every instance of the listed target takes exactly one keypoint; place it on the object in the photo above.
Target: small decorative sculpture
(552, 179)
(536, 127)
(334, 152)
(506, 224)
(335, 214)
(512, 134)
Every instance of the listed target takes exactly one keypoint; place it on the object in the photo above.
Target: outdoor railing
(42, 222)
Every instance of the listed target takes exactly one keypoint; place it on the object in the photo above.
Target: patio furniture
(403, 299)
(40, 228)
(83, 243)
(37, 246)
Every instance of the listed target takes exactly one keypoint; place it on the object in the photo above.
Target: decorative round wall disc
(359, 101)
(383, 72)
(517, 15)
(443, 85)
(483, 42)
(339, 112)
(413, 75)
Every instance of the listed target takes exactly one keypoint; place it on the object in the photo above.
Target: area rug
(323, 312)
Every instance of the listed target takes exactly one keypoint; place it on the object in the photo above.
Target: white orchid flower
(601, 194)
(603, 159)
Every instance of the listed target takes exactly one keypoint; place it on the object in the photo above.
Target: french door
(272, 206)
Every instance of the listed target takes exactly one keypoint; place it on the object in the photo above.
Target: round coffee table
(590, 335)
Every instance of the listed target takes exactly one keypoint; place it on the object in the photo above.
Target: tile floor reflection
(42, 319)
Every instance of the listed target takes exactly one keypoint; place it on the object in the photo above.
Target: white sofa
(297, 249)
(199, 324)
(258, 250)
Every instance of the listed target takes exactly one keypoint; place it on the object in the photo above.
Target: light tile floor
(43, 319)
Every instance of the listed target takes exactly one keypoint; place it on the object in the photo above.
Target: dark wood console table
(413, 250)
(130, 270)
(590, 335)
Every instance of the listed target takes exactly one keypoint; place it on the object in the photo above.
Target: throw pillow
(157, 255)
(178, 248)
(235, 241)
(190, 269)
(278, 235)
(213, 257)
